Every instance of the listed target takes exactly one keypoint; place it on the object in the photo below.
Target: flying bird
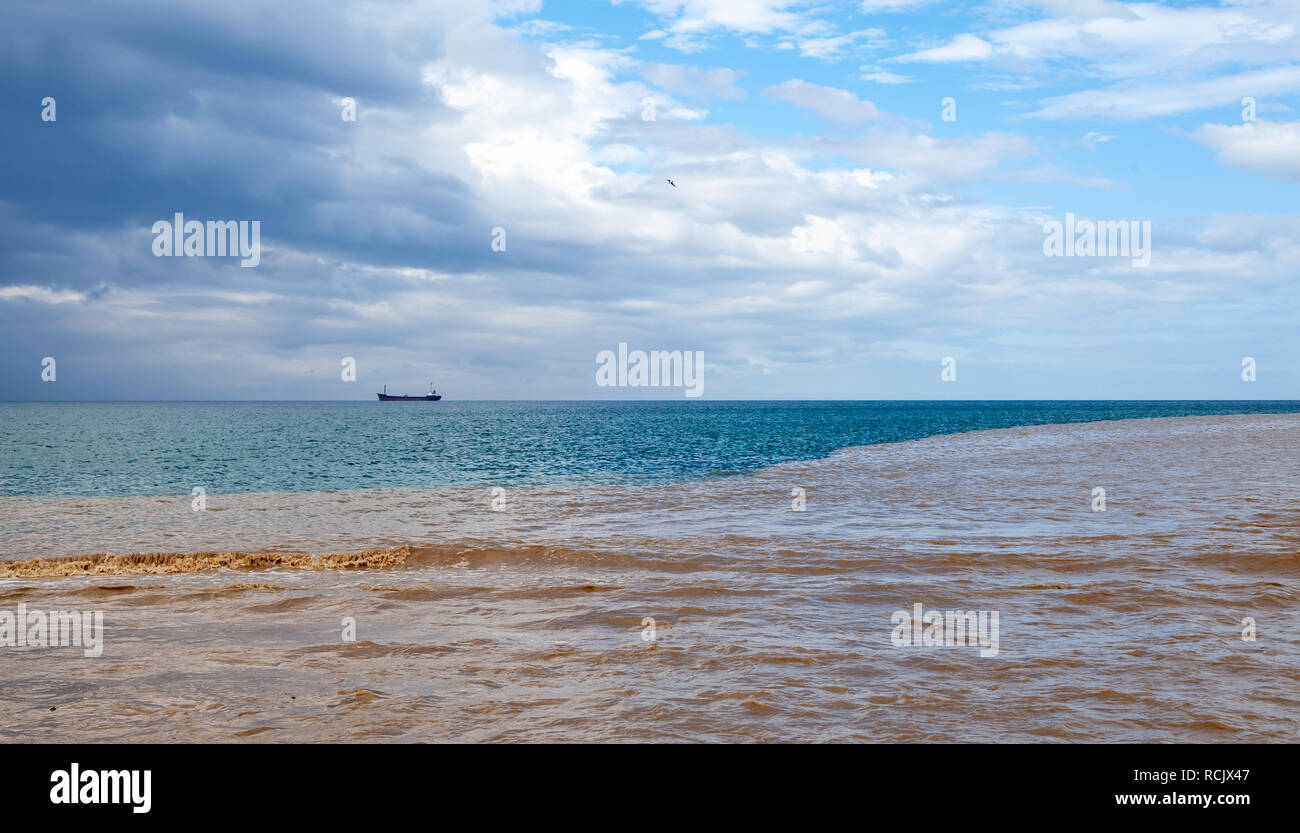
(674, 184)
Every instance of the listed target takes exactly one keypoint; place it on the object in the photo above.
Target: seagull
(674, 184)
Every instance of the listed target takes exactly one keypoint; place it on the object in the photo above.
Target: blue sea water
(148, 448)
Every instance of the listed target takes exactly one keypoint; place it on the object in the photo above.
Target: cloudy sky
(832, 234)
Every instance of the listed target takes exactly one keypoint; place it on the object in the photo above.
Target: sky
(863, 189)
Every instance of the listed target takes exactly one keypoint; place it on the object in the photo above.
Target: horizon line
(682, 400)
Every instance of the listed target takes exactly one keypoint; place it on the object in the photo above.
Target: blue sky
(831, 235)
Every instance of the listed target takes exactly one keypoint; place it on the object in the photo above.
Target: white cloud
(543, 28)
(1139, 101)
(40, 294)
(964, 47)
(694, 82)
(1267, 148)
(882, 76)
(831, 102)
(886, 6)
(1093, 138)
(833, 46)
(1126, 39)
(689, 23)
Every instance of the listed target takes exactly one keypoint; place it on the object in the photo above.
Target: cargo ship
(431, 396)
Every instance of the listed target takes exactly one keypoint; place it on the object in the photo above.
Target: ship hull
(430, 398)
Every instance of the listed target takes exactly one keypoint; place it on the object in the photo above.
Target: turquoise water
(147, 448)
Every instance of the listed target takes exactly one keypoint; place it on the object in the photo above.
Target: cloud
(40, 294)
(1093, 138)
(689, 23)
(695, 82)
(1265, 148)
(1127, 39)
(778, 251)
(886, 6)
(880, 75)
(1130, 101)
(836, 104)
(964, 47)
(834, 46)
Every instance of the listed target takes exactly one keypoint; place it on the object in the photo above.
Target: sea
(654, 571)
